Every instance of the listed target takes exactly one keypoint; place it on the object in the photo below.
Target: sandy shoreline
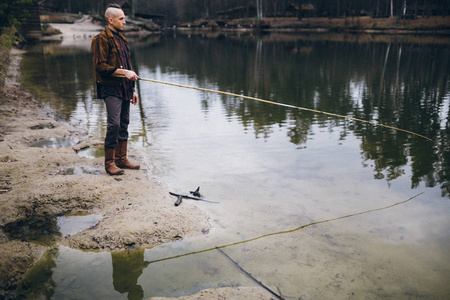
(136, 211)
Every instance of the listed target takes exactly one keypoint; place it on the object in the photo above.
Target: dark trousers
(118, 118)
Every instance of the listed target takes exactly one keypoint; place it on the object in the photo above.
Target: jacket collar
(110, 34)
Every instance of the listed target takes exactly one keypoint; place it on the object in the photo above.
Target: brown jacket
(106, 57)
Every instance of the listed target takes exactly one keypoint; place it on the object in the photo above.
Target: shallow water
(70, 225)
(77, 171)
(55, 143)
(312, 206)
(47, 230)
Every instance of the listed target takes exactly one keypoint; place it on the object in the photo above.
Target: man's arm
(100, 59)
(100, 54)
(131, 75)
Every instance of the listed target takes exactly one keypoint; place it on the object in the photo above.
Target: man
(115, 85)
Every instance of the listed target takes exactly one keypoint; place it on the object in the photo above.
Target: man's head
(115, 17)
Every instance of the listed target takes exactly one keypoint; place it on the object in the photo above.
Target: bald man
(115, 85)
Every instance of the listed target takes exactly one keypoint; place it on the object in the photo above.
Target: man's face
(117, 19)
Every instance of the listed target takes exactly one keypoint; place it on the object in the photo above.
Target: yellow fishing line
(282, 104)
(286, 231)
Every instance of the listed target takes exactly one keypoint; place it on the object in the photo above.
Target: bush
(8, 38)
(12, 13)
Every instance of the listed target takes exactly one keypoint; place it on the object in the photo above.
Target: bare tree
(259, 9)
(404, 9)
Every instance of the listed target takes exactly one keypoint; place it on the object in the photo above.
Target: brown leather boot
(110, 166)
(121, 157)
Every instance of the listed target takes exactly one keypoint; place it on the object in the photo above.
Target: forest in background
(14, 12)
(190, 10)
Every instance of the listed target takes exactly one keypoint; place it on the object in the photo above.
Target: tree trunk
(377, 10)
(206, 7)
(259, 9)
(404, 9)
(300, 12)
(338, 13)
(275, 9)
(392, 8)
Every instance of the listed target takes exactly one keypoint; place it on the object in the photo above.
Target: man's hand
(131, 75)
(135, 98)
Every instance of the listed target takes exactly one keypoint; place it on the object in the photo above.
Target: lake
(312, 205)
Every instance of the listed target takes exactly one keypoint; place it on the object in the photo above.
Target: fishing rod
(280, 104)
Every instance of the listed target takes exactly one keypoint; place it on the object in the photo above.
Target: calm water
(312, 206)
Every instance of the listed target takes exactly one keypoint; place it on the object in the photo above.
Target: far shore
(418, 25)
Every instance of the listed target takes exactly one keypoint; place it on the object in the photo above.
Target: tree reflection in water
(401, 81)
